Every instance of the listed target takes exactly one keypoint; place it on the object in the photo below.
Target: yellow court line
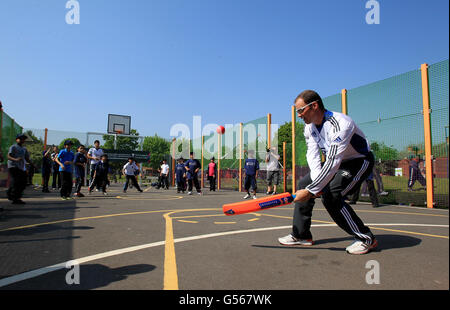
(409, 232)
(378, 211)
(184, 221)
(224, 223)
(170, 262)
(81, 219)
(253, 219)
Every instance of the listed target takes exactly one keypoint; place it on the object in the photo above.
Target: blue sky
(229, 61)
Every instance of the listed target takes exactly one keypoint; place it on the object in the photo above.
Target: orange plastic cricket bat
(253, 205)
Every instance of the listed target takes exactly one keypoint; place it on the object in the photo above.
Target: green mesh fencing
(9, 130)
(389, 114)
(438, 75)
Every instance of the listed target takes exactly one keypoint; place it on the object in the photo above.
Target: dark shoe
(376, 206)
(18, 202)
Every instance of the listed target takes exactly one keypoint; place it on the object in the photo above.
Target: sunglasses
(302, 109)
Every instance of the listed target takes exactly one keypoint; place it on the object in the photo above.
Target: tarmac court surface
(161, 239)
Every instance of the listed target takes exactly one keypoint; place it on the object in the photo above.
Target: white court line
(41, 271)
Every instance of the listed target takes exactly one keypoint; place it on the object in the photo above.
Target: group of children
(186, 175)
(70, 164)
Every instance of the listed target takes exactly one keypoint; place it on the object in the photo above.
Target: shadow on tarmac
(91, 276)
(385, 242)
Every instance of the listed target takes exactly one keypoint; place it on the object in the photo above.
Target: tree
(75, 141)
(122, 143)
(285, 135)
(158, 149)
(383, 152)
(35, 147)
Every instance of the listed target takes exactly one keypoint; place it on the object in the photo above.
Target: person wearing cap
(65, 160)
(47, 164)
(18, 156)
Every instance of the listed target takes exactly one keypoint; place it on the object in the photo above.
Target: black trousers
(194, 181)
(18, 182)
(164, 181)
(212, 183)
(133, 180)
(415, 175)
(372, 193)
(99, 182)
(181, 184)
(348, 178)
(79, 183)
(66, 183)
(45, 179)
(56, 177)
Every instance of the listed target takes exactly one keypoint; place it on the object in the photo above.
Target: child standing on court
(80, 165)
(251, 168)
(100, 176)
(65, 160)
(212, 175)
(180, 173)
(130, 171)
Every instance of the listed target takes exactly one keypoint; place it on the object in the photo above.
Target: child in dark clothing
(180, 172)
(100, 175)
(80, 165)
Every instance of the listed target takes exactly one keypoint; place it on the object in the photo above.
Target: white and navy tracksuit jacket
(348, 163)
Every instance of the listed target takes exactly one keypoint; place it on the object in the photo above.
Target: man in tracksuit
(415, 174)
(251, 167)
(193, 166)
(349, 161)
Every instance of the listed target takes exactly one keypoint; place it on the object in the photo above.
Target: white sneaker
(105, 194)
(291, 240)
(200, 193)
(96, 189)
(189, 193)
(364, 195)
(254, 196)
(247, 196)
(359, 247)
(383, 193)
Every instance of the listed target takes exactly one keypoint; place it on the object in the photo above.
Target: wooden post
(269, 122)
(284, 168)
(45, 139)
(202, 171)
(173, 161)
(240, 155)
(293, 111)
(427, 135)
(344, 101)
(218, 161)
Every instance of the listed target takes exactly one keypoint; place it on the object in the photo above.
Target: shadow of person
(97, 275)
(385, 242)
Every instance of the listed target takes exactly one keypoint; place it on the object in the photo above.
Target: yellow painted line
(409, 232)
(170, 262)
(253, 219)
(184, 221)
(219, 223)
(81, 219)
(198, 216)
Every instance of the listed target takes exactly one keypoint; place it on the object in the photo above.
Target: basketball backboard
(119, 124)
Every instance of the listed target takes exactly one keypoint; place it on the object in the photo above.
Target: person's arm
(339, 144)
(13, 158)
(59, 163)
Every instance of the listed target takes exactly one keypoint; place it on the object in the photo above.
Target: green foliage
(383, 152)
(75, 141)
(122, 143)
(158, 148)
(285, 135)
